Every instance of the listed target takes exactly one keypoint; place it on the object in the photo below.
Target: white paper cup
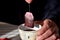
(27, 33)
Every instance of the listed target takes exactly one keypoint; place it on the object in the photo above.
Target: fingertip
(38, 38)
(39, 32)
(57, 39)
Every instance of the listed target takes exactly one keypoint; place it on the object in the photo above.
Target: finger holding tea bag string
(28, 1)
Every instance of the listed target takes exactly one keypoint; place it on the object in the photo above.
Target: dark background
(8, 12)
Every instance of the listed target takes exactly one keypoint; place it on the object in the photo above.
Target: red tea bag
(29, 19)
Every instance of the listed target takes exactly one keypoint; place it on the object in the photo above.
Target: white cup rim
(32, 29)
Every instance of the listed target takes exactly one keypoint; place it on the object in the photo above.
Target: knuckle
(58, 39)
(54, 37)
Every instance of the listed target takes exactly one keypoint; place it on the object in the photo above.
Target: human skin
(28, 1)
(49, 31)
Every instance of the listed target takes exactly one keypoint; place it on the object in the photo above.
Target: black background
(8, 12)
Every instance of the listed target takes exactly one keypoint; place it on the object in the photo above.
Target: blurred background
(8, 12)
(8, 16)
(12, 12)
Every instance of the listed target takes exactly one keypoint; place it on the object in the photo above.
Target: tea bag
(29, 19)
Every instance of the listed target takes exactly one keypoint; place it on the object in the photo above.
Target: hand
(49, 31)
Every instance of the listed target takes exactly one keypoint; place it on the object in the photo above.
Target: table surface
(9, 31)
(6, 27)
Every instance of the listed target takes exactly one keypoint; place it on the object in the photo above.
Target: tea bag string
(29, 7)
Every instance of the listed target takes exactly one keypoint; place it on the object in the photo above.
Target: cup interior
(24, 28)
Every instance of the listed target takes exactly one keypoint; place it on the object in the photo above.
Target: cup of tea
(27, 33)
